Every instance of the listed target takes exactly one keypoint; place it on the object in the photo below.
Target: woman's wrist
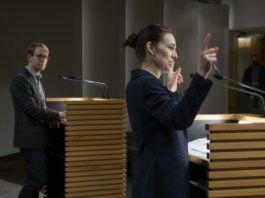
(172, 88)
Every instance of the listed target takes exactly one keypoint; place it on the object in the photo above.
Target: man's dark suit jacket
(31, 116)
(247, 77)
(159, 119)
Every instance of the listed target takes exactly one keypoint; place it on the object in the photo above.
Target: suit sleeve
(23, 97)
(175, 95)
(247, 77)
(178, 115)
(262, 80)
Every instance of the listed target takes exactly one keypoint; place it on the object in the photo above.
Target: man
(31, 119)
(254, 76)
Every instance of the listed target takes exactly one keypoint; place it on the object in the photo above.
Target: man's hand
(255, 84)
(62, 115)
(55, 123)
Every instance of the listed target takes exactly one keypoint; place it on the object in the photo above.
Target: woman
(159, 116)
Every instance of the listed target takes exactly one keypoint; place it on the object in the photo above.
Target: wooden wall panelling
(12, 165)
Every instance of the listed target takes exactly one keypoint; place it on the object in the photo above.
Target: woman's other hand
(173, 79)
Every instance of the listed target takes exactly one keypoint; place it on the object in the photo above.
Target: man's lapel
(34, 84)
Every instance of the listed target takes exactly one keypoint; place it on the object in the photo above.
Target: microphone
(220, 77)
(75, 80)
(240, 90)
(103, 85)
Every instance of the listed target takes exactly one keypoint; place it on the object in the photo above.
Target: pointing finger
(205, 42)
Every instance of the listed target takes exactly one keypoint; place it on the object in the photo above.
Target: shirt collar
(33, 73)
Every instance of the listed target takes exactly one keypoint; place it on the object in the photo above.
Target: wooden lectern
(235, 166)
(87, 155)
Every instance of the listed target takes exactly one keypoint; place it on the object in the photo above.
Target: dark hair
(32, 47)
(152, 33)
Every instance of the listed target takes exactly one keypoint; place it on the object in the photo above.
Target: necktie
(38, 77)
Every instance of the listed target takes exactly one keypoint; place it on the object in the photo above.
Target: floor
(10, 188)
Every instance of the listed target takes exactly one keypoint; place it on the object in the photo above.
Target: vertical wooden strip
(232, 71)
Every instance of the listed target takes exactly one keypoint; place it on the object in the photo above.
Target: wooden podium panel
(95, 147)
(235, 166)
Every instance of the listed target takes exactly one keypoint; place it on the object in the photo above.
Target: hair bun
(132, 40)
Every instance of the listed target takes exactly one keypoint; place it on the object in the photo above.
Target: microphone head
(72, 77)
(60, 76)
(191, 75)
(218, 76)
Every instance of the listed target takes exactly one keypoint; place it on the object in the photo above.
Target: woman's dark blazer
(31, 115)
(159, 119)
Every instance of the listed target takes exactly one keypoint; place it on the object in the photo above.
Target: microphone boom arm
(102, 85)
(244, 91)
(220, 77)
(71, 78)
(237, 89)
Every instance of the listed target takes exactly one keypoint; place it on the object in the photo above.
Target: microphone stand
(75, 80)
(103, 85)
(240, 90)
(245, 91)
(220, 77)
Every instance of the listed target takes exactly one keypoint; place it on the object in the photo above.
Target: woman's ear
(150, 48)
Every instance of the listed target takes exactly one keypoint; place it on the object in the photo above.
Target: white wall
(246, 13)
(83, 38)
(249, 13)
(231, 4)
(182, 18)
(139, 14)
(103, 24)
(213, 19)
(24, 22)
(190, 21)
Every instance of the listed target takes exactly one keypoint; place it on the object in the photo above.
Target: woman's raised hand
(208, 57)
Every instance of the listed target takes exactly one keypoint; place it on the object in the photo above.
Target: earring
(152, 59)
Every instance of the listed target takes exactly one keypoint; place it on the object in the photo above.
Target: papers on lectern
(199, 148)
